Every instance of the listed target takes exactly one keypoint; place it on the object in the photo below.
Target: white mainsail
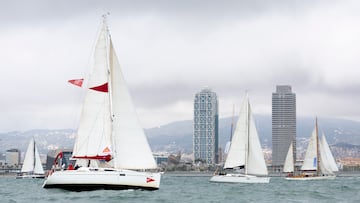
(289, 160)
(32, 162)
(93, 135)
(109, 123)
(245, 149)
(310, 160)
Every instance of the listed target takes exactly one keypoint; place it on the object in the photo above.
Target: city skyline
(168, 50)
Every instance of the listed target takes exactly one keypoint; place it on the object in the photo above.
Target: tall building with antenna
(283, 124)
(206, 127)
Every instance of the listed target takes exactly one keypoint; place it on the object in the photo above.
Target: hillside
(178, 135)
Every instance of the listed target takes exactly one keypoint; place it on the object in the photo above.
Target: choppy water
(192, 189)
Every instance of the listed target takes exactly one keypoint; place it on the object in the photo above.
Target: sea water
(191, 189)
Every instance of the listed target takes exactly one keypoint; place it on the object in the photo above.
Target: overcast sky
(169, 50)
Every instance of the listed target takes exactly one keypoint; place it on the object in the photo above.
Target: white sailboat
(319, 162)
(111, 148)
(245, 158)
(32, 167)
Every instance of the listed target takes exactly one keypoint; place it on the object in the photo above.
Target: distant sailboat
(32, 167)
(319, 162)
(245, 158)
(289, 164)
(111, 147)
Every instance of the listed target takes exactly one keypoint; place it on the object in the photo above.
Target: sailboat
(319, 162)
(32, 167)
(111, 149)
(245, 158)
(289, 165)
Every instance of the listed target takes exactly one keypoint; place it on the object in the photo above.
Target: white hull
(329, 177)
(90, 179)
(239, 178)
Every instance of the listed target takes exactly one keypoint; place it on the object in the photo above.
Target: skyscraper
(283, 123)
(206, 122)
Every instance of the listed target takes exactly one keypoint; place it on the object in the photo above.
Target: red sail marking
(97, 157)
(101, 88)
(77, 82)
(148, 180)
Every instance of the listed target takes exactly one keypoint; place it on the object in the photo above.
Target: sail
(245, 149)
(93, 135)
(236, 154)
(227, 147)
(256, 162)
(29, 160)
(38, 169)
(327, 157)
(289, 160)
(132, 150)
(310, 160)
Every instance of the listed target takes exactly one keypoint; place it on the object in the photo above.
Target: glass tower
(206, 122)
(283, 123)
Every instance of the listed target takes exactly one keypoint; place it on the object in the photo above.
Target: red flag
(77, 82)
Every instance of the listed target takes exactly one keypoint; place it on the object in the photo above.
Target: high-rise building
(283, 123)
(12, 157)
(206, 127)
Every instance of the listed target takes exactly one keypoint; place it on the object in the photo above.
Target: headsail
(289, 160)
(327, 162)
(132, 150)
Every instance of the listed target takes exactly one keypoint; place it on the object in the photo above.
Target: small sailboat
(32, 167)
(319, 162)
(289, 165)
(245, 161)
(111, 149)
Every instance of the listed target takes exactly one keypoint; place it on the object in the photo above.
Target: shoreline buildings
(283, 124)
(206, 127)
(12, 157)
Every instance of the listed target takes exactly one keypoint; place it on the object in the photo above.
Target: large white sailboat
(245, 158)
(319, 162)
(32, 166)
(111, 149)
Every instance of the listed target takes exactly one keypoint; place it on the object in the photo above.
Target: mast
(232, 123)
(294, 158)
(34, 163)
(108, 62)
(247, 153)
(317, 148)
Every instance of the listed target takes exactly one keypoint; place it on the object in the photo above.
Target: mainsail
(310, 160)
